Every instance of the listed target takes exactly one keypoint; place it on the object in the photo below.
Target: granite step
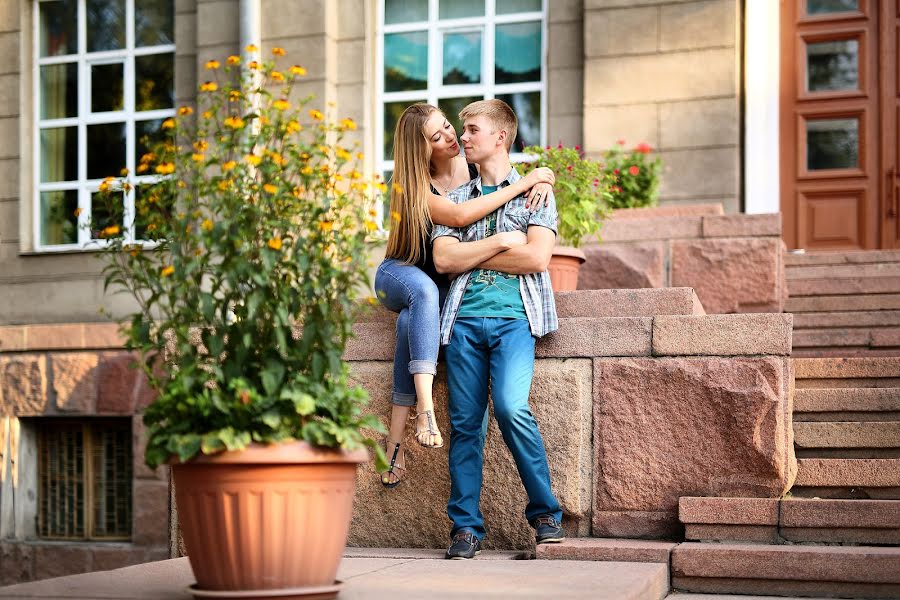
(844, 368)
(856, 257)
(856, 337)
(843, 286)
(786, 570)
(607, 549)
(836, 401)
(876, 478)
(843, 352)
(845, 271)
(868, 434)
(862, 318)
(858, 302)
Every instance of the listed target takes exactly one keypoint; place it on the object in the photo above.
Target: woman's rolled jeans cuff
(401, 399)
(427, 367)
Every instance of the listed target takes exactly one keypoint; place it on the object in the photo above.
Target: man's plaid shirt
(537, 295)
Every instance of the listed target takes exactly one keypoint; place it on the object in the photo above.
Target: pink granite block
(628, 266)
(722, 335)
(742, 225)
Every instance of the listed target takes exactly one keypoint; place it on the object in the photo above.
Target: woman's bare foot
(394, 475)
(427, 433)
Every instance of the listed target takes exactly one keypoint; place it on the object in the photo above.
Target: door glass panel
(406, 61)
(59, 91)
(392, 112)
(818, 7)
(59, 154)
(105, 150)
(59, 225)
(527, 106)
(514, 6)
(154, 22)
(405, 11)
(458, 9)
(105, 25)
(518, 52)
(832, 65)
(451, 108)
(462, 57)
(832, 144)
(107, 87)
(58, 26)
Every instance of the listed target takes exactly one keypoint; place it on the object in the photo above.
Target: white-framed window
(452, 52)
(104, 79)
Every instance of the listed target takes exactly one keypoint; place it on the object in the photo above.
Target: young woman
(427, 165)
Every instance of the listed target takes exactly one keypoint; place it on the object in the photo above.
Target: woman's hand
(538, 197)
(539, 182)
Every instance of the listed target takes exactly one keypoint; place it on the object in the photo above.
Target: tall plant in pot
(242, 239)
(583, 193)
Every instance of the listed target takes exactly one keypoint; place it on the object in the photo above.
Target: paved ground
(398, 575)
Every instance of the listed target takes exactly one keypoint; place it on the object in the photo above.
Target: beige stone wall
(565, 72)
(668, 73)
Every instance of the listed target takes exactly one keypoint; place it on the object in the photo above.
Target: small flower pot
(564, 266)
(267, 521)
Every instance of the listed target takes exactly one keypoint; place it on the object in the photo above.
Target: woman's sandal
(429, 430)
(395, 471)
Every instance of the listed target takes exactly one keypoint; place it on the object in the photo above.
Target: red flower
(616, 171)
(620, 142)
(569, 168)
(634, 170)
(643, 148)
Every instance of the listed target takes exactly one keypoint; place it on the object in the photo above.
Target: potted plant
(243, 251)
(582, 192)
(634, 175)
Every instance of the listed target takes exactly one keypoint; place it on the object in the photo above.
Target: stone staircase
(844, 303)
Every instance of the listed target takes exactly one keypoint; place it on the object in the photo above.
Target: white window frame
(85, 117)
(436, 90)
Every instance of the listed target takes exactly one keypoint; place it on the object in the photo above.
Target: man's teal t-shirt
(492, 293)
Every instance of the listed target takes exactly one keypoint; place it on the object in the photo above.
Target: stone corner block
(23, 385)
(625, 265)
(723, 335)
(75, 381)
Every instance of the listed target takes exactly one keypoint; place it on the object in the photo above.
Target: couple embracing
(476, 220)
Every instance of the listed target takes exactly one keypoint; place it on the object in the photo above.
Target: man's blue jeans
(500, 351)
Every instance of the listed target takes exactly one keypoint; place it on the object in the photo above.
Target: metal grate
(84, 475)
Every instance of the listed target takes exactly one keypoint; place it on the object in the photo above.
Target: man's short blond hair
(498, 113)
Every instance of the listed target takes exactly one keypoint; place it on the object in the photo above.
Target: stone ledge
(742, 225)
(588, 337)
(62, 336)
(606, 549)
(848, 472)
(839, 368)
(654, 228)
(722, 335)
(672, 210)
(802, 512)
(647, 302)
(728, 511)
(767, 534)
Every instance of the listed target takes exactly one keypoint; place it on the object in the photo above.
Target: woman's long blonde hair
(410, 218)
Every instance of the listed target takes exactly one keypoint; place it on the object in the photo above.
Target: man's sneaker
(547, 529)
(465, 545)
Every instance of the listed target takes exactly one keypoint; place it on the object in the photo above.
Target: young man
(495, 309)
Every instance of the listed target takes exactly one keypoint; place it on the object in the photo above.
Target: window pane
(513, 6)
(59, 91)
(154, 22)
(58, 27)
(105, 150)
(455, 9)
(143, 214)
(832, 144)
(451, 108)
(101, 215)
(112, 480)
(154, 81)
(518, 52)
(405, 61)
(462, 58)
(405, 11)
(61, 492)
(148, 133)
(59, 225)
(816, 7)
(392, 112)
(59, 154)
(527, 107)
(832, 65)
(105, 25)
(107, 87)
(386, 200)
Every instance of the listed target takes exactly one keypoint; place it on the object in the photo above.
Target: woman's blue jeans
(407, 290)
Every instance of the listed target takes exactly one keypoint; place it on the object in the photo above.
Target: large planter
(564, 266)
(268, 521)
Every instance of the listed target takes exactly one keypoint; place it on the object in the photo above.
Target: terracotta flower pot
(268, 519)
(564, 266)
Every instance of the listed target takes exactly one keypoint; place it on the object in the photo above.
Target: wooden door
(890, 122)
(830, 114)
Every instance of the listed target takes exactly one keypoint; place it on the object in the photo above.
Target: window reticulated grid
(123, 50)
(84, 479)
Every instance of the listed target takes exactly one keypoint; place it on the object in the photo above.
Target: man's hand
(453, 256)
(533, 257)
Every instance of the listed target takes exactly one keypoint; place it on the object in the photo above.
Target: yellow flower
(293, 126)
(264, 120)
(253, 159)
(151, 227)
(148, 157)
(181, 184)
(201, 145)
(206, 225)
(348, 124)
(277, 159)
(185, 111)
(209, 86)
(212, 64)
(297, 191)
(198, 157)
(234, 95)
(277, 76)
(281, 105)
(307, 170)
(165, 168)
(111, 230)
(251, 48)
(127, 187)
(105, 186)
(342, 154)
(224, 185)
(166, 271)
(317, 115)
(77, 212)
(326, 225)
(371, 225)
(381, 187)
(142, 168)
(354, 174)
(395, 216)
(254, 65)
(207, 114)
(270, 188)
(229, 165)
(234, 122)
(168, 124)
(233, 60)
(123, 172)
(372, 212)
(134, 252)
(276, 51)
(298, 70)
(360, 156)
(275, 243)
